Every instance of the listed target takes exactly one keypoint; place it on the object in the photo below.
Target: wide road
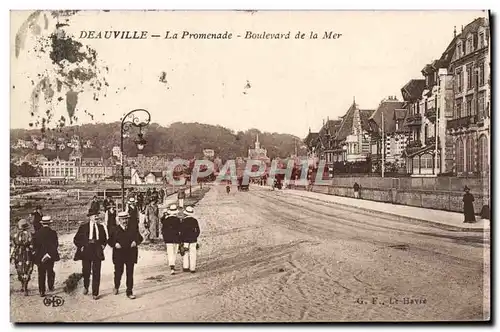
(273, 256)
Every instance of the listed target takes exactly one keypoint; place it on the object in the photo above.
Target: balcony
(414, 120)
(431, 114)
(431, 141)
(464, 122)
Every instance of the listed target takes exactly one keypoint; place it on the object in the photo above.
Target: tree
(26, 170)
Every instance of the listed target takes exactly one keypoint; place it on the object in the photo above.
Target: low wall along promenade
(442, 193)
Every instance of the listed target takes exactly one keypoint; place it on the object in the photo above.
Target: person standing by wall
(171, 234)
(22, 254)
(468, 199)
(45, 244)
(190, 230)
(356, 190)
(124, 242)
(90, 241)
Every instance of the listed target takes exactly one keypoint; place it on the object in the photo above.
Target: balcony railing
(413, 146)
(464, 122)
(414, 120)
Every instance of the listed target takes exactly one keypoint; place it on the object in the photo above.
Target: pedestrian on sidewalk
(190, 230)
(22, 254)
(356, 190)
(45, 244)
(94, 205)
(133, 212)
(181, 195)
(124, 242)
(110, 219)
(469, 216)
(90, 241)
(152, 220)
(171, 234)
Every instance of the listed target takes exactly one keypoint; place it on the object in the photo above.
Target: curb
(409, 219)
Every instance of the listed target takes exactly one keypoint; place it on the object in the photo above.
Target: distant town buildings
(258, 152)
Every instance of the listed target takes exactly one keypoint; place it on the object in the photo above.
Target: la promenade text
(226, 35)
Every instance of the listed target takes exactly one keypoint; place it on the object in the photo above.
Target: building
(153, 178)
(208, 154)
(469, 125)
(352, 141)
(59, 170)
(258, 153)
(116, 152)
(94, 169)
(393, 113)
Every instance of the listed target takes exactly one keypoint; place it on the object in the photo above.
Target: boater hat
(123, 214)
(131, 200)
(46, 220)
(466, 188)
(189, 210)
(172, 209)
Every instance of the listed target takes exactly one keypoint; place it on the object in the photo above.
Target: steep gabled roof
(412, 90)
(388, 108)
(346, 127)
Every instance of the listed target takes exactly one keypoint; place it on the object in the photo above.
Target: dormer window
(459, 50)
(481, 40)
(469, 45)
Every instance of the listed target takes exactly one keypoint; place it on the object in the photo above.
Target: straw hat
(123, 214)
(188, 210)
(46, 220)
(172, 210)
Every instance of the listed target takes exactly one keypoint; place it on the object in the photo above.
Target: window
(459, 156)
(481, 74)
(481, 40)
(426, 161)
(459, 50)
(459, 80)
(480, 106)
(426, 131)
(470, 83)
(469, 45)
(458, 108)
(483, 165)
(469, 107)
(469, 155)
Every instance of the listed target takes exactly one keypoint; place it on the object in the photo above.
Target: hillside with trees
(184, 140)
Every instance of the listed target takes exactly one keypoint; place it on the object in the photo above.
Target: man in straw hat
(90, 241)
(124, 241)
(22, 254)
(45, 244)
(190, 230)
(170, 231)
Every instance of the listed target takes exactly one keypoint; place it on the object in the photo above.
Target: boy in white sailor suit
(190, 230)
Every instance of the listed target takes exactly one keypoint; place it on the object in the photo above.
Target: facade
(94, 169)
(427, 152)
(153, 178)
(60, 170)
(469, 126)
(392, 111)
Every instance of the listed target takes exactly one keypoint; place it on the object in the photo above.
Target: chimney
(462, 28)
(323, 122)
(454, 31)
(327, 118)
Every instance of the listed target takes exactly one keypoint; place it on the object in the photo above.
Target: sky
(285, 86)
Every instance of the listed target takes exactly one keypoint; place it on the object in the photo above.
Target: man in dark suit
(45, 244)
(133, 212)
(37, 217)
(190, 230)
(171, 234)
(90, 241)
(94, 206)
(124, 241)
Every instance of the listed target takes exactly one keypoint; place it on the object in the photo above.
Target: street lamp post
(139, 118)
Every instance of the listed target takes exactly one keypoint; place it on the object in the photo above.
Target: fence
(442, 193)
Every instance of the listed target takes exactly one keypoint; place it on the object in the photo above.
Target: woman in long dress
(468, 200)
(22, 254)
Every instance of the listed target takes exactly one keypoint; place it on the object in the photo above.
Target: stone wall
(441, 193)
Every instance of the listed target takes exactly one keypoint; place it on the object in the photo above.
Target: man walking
(45, 244)
(37, 218)
(125, 253)
(181, 195)
(152, 220)
(90, 241)
(171, 234)
(190, 230)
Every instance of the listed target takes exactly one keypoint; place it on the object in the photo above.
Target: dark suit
(37, 217)
(190, 230)
(170, 229)
(125, 255)
(133, 221)
(91, 253)
(45, 241)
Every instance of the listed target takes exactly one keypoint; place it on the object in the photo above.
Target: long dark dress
(469, 208)
(23, 257)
